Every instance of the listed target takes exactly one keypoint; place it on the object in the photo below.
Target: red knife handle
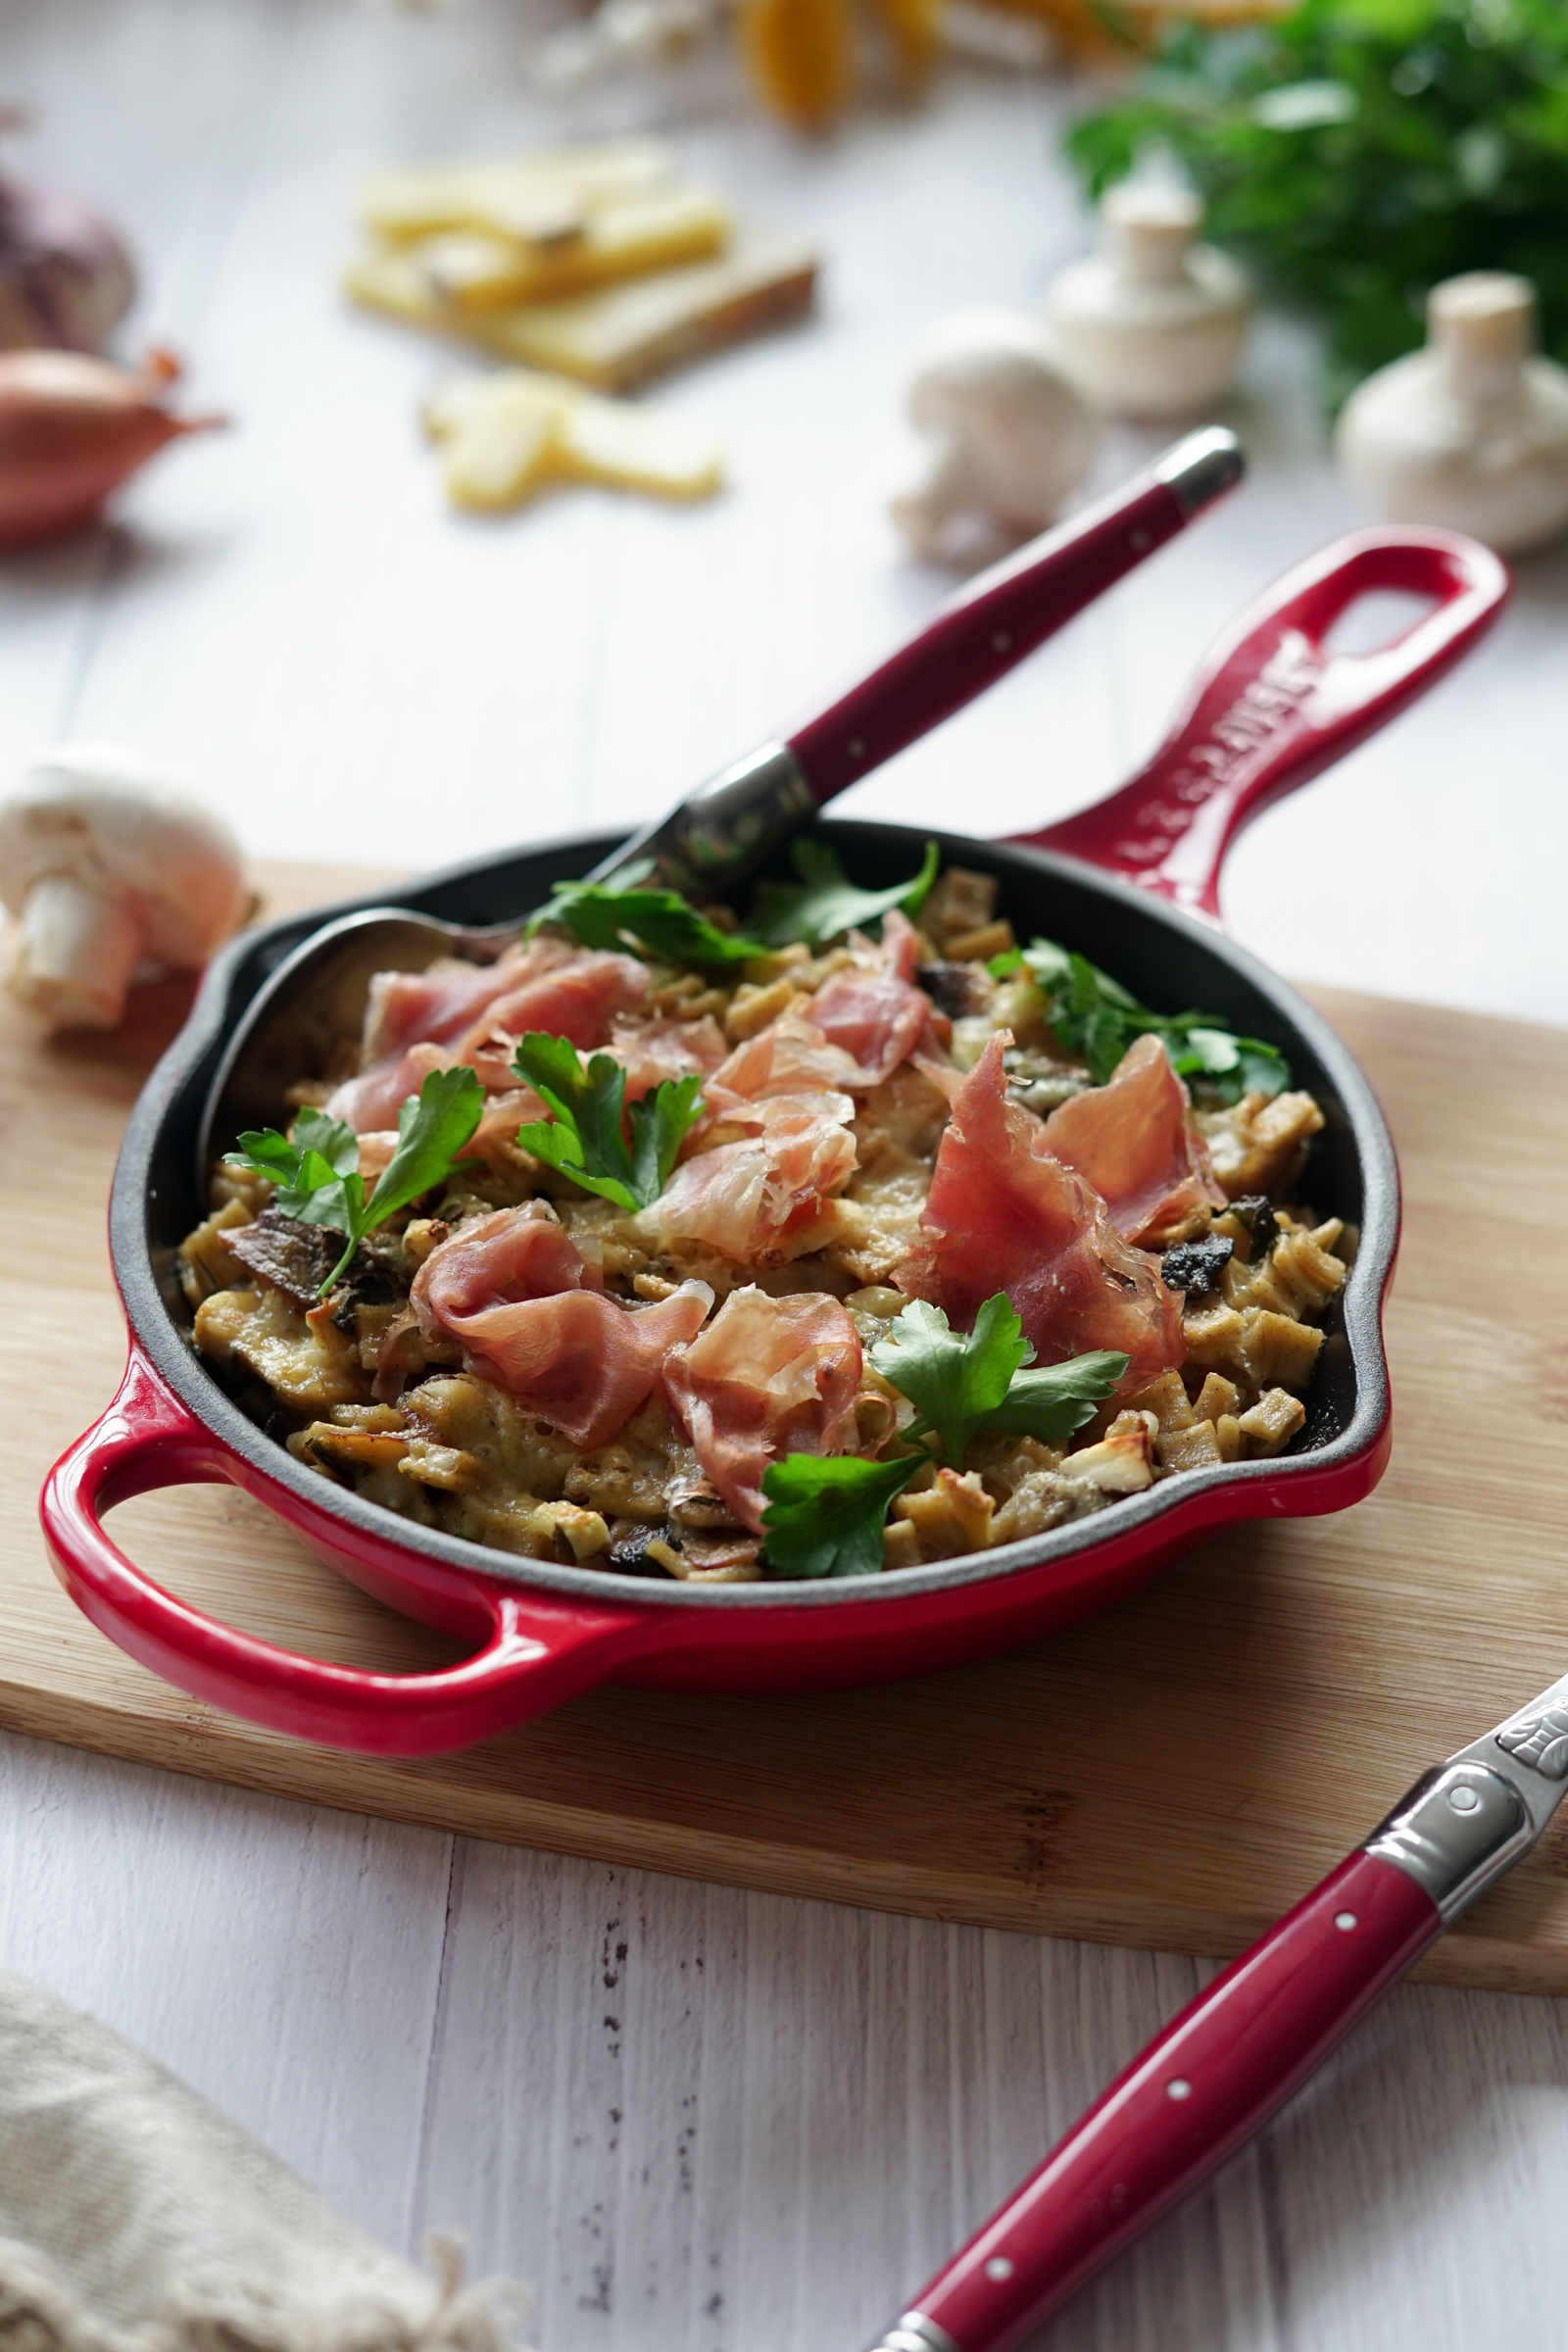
(1192, 2099)
(978, 635)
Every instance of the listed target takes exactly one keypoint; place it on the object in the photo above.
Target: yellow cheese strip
(470, 270)
(624, 336)
(637, 448)
(505, 435)
(501, 439)
(621, 338)
(533, 196)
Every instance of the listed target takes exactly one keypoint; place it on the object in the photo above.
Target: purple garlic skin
(65, 279)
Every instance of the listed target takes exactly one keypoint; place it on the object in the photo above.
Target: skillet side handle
(1271, 706)
(537, 1653)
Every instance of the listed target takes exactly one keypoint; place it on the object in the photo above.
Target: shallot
(65, 279)
(73, 429)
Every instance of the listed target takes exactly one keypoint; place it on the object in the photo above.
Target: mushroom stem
(944, 487)
(76, 953)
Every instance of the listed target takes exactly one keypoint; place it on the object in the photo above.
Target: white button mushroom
(112, 872)
(1009, 435)
(1153, 325)
(1470, 434)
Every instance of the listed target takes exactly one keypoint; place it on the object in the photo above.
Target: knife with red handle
(1200, 2090)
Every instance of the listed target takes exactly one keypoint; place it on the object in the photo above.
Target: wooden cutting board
(1173, 1774)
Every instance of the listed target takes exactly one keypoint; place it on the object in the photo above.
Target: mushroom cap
(108, 817)
(986, 380)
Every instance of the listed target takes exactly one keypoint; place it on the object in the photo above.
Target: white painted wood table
(700, 2121)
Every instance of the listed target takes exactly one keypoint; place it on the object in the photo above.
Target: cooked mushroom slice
(1196, 1266)
(959, 989)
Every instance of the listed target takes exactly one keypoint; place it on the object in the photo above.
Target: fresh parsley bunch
(629, 912)
(586, 1136)
(824, 903)
(315, 1167)
(1361, 150)
(826, 1515)
(1097, 1017)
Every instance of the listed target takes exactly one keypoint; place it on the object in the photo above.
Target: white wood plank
(284, 1959)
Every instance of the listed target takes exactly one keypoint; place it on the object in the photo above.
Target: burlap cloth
(135, 2217)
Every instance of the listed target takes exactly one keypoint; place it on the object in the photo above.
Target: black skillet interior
(1168, 960)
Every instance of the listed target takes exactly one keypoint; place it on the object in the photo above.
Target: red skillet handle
(1194, 2096)
(537, 1656)
(1271, 709)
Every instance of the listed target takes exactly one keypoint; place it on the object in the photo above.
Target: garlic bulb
(1151, 325)
(1470, 434)
(73, 429)
(1007, 436)
(65, 279)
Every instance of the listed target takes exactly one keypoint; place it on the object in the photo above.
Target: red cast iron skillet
(1132, 884)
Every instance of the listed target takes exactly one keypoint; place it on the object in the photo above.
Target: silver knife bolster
(1461, 1826)
(913, 2333)
(1468, 1821)
(723, 830)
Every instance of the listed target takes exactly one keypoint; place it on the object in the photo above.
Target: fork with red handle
(1200, 2090)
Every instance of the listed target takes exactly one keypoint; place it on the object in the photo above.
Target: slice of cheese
(625, 334)
(501, 437)
(638, 448)
(474, 270)
(505, 435)
(539, 197)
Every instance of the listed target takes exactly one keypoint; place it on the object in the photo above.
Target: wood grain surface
(1172, 1773)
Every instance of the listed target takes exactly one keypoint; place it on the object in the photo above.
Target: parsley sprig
(586, 1136)
(826, 1515)
(315, 1167)
(959, 1382)
(1097, 1017)
(631, 913)
(824, 903)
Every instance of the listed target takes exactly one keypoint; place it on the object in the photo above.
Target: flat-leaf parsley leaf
(961, 1383)
(1099, 1018)
(824, 1515)
(586, 1137)
(632, 912)
(316, 1168)
(825, 903)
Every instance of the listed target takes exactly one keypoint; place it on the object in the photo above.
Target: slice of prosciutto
(1134, 1140)
(779, 1106)
(529, 1315)
(870, 1007)
(748, 1198)
(790, 1057)
(767, 1377)
(473, 1014)
(654, 1051)
(577, 999)
(1004, 1214)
